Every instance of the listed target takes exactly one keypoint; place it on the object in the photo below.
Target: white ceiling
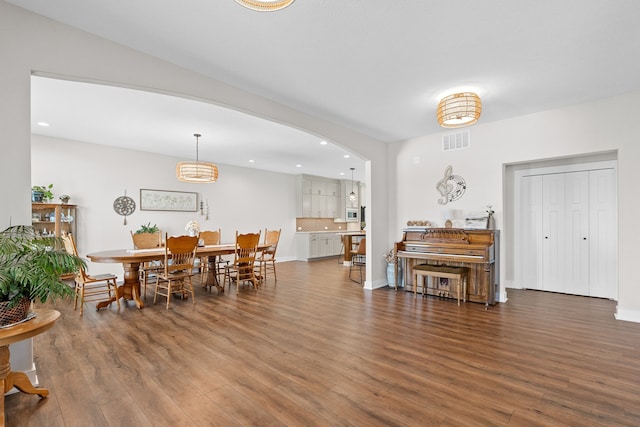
(376, 66)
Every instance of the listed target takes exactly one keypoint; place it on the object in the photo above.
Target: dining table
(131, 259)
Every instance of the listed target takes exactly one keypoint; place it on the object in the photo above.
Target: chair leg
(81, 300)
(155, 292)
(75, 296)
(193, 294)
(168, 293)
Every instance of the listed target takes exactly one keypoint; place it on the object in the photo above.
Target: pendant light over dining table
(197, 172)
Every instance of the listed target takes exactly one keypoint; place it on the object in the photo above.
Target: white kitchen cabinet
(307, 209)
(318, 197)
(317, 245)
(318, 188)
(314, 246)
(306, 186)
(319, 206)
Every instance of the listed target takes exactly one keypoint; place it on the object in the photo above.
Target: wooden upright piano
(476, 249)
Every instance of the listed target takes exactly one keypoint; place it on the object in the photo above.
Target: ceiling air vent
(456, 141)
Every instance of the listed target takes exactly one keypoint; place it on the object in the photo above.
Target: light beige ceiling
(379, 66)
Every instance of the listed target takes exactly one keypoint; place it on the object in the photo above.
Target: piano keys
(476, 249)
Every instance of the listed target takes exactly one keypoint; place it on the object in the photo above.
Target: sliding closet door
(531, 232)
(603, 246)
(553, 229)
(576, 233)
(568, 232)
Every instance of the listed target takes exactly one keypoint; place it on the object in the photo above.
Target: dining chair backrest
(181, 250)
(246, 248)
(210, 237)
(71, 248)
(146, 240)
(271, 238)
(362, 247)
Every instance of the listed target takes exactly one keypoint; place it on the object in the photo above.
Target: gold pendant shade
(459, 110)
(197, 172)
(265, 5)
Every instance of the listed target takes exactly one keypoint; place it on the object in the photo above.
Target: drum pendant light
(197, 172)
(265, 5)
(459, 110)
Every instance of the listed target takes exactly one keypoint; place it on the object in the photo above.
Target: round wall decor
(124, 206)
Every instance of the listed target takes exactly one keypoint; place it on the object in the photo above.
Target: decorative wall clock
(451, 187)
(124, 206)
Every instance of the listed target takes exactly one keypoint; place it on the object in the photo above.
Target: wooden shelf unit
(54, 218)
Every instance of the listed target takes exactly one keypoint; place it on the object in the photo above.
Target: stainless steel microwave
(351, 215)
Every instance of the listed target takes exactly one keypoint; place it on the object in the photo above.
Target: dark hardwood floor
(316, 350)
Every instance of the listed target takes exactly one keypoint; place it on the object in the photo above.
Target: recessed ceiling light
(45, 124)
(252, 161)
(323, 142)
(346, 156)
(298, 166)
(341, 173)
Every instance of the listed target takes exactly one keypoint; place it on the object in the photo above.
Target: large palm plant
(31, 266)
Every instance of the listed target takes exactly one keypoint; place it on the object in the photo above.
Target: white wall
(604, 126)
(243, 199)
(32, 44)
(397, 190)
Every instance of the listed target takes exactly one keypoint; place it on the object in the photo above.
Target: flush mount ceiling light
(265, 5)
(352, 196)
(459, 110)
(198, 172)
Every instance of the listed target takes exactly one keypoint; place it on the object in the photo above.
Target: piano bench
(458, 274)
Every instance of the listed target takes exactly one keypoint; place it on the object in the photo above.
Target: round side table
(43, 321)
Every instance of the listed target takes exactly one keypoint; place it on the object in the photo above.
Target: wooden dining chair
(359, 258)
(91, 288)
(175, 278)
(149, 269)
(243, 267)
(267, 258)
(210, 238)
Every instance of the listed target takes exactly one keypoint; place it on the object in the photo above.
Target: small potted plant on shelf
(65, 198)
(41, 193)
(31, 267)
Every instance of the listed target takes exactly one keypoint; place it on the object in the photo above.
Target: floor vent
(456, 141)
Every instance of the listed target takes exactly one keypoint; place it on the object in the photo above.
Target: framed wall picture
(161, 200)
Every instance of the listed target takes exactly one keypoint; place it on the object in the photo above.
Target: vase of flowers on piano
(193, 228)
(491, 221)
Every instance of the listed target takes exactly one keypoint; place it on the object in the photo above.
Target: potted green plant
(148, 229)
(41, 193)
(31, 267)
(64, 198)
